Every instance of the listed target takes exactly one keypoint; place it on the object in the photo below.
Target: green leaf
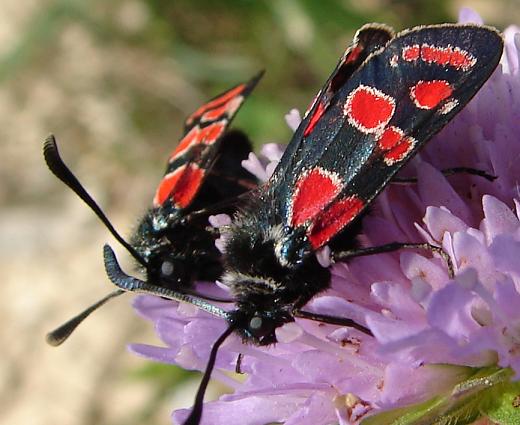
(504, 407)
(488, 391)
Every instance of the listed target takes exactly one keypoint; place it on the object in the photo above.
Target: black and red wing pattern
(375, 121)
(189, 163)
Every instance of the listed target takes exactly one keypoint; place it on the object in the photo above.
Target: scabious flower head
(420, 317)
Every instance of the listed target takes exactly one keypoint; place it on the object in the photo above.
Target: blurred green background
(113, 81)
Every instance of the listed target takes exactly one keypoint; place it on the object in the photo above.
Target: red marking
(206, 136)
(216, 102)
(189, 140)
(428, 94)
(443, 56)
(411, 53)
(228, 108)
(353, 54)
(369, 109)
(390, 138)
(395, 145)
(318, 113)
(181, 186)
(314, 190)
(335, 218)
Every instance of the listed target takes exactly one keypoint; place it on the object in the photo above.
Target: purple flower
(428, 329)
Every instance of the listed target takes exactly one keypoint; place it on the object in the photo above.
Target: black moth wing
(200, 147)
(367, 40)
(385, 111)
(204, 176)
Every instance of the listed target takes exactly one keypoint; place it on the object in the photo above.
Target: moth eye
(255, 323)
(167, 268)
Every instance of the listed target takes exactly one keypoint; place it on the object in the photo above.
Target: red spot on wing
(180, 186)
(352, 54)
(411, 53)
(428, 94)
(219, 101)
(228, 108)
(335, 218)
(369, 109)
(191, 138)
(394, 144)
(318, 113)
(206, 136)
(443, 56)
(314, 190)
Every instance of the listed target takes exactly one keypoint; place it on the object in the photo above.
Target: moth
(173, 244)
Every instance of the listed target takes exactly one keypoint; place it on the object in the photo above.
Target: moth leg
(238, 364)
(394, 246)
(333, 320)
(449, 172)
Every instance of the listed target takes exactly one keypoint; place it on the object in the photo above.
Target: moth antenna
(62, 172)
(59, 335)
(132, 284)
(196, 412)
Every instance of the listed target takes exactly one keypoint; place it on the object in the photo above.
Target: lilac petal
(397, 299)
(151, 352)
(404, 384)
(505, 251)
(318, 409)
(323, 256)
(259, 410)
(508, 298)
(450, 310)
(272, 151)
(440, 220)
(427, 346)
(511, 48)
(219, 220)
(388, 330)
(469, 16)
(499, 218)
(336, 306)
(469, 252)
(435, 190)
(255, 167)
(432, 271)
(293, 119)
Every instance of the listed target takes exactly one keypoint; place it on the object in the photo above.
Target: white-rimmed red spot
(314, 190)
(206, 136)
(411, 53)
(369, 109)
(180, 186)
(219, 101)
(332, 220)
(444, 56)
(394, 144)
(428, 94)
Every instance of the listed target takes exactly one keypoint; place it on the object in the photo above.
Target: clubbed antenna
(60, 170)
(59, 335)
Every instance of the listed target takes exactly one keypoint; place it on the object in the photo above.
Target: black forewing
(200, 146)
(336, 145)
(368, 39)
